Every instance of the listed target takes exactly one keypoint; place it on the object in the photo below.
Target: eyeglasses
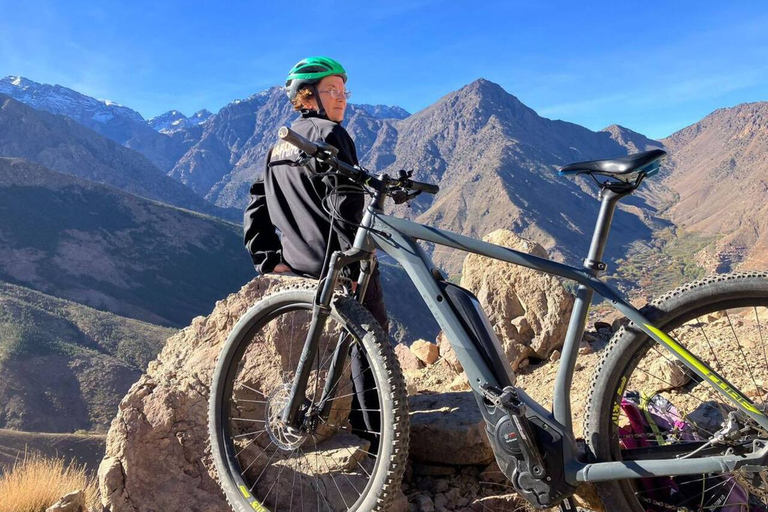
(337, 94)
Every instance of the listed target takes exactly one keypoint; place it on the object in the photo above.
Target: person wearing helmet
(292, 198)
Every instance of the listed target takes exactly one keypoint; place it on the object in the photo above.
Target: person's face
(334, 107)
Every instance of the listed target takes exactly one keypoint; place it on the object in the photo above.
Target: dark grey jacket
(290, 199)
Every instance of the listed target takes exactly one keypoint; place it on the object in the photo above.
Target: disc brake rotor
(284, 437)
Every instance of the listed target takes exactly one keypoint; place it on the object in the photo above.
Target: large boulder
(158, 454)
(447, 428)
(528, 310)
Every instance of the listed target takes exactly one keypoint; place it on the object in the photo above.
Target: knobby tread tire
(629, 343)
(382, 359)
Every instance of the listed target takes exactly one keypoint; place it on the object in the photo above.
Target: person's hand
(281, 268)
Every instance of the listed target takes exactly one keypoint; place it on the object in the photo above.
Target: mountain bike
(308, 406)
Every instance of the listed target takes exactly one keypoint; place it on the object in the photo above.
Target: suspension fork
(321, 309)
(336, 369)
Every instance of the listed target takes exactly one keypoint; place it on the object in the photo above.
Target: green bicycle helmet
(310, 71)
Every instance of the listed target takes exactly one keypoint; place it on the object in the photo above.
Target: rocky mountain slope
(495, 160)
(719, 170)
(116, 122)
(66, 146)
(65, 366)
(80, 240)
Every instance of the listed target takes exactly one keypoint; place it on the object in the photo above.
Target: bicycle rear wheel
(723, 320)
(353, 459)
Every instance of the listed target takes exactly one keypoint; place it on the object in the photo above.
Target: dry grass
(34, 483)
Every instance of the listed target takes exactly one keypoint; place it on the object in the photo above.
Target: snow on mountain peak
(174, 120)
(64, 101)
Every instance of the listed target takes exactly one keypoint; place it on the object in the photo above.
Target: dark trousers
(364, 416)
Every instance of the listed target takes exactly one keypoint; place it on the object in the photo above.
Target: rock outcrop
(528, 310)
(158, 455)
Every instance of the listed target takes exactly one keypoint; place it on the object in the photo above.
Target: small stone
(555, 355)
(460, 383)
(72, 502)
(585, 348)
(524, 364)
(441, 485)
(425, 503)
(590, 337)
(603, 327)
(408, 361)
(427, 352)
(440, 500)
(453, 495)
(619, 323)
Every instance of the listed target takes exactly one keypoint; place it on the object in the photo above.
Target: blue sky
(654, 67)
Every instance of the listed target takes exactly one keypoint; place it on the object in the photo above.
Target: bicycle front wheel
(641, 398)
(354, 458)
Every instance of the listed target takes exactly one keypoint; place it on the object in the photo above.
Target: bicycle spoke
(743, 355)
(330, 473)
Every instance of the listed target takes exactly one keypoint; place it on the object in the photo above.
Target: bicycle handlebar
(297, 140)
(429, 188)
(327, 154)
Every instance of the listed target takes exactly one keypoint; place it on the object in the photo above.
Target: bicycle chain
(664, 505)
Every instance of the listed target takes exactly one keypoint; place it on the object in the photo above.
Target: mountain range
(115, 122)
(104, 208)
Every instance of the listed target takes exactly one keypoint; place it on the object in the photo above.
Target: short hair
(303, 94)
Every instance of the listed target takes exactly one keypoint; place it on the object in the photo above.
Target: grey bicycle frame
(398, 238)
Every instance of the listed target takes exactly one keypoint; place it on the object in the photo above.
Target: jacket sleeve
(259, 233)
(349, 202)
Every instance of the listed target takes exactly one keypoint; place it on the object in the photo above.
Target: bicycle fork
(320, 312)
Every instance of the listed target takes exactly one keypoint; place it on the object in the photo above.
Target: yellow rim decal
(258, 507)
(706, 372)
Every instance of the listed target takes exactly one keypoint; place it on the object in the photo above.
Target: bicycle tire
(384, 474)
(691, 312)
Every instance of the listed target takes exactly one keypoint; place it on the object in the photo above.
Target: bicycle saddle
(647, 161)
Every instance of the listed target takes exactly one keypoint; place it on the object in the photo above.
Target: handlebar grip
(297, 140)
(429, 188)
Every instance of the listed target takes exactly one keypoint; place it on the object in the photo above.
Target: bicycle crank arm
(605, 471)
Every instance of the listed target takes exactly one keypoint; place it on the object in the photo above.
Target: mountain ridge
(111, 120)
(64, 145)
(112, 250)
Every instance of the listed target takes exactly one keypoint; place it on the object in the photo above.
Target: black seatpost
(609, 199)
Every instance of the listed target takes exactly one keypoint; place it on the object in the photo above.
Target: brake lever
(401, 196)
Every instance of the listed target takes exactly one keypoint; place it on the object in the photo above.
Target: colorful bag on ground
(655, 421)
